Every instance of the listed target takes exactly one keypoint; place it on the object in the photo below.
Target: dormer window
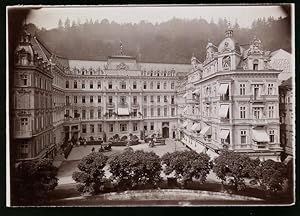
(255, 65)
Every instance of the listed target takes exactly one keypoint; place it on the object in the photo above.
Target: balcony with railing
(257, 98)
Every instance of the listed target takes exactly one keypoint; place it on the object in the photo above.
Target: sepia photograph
(150, 105)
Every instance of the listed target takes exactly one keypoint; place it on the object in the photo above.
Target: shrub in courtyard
(234, 167)
(31, 182)
(187, 165)
(91, 175)
(270, 175)
(131, 169)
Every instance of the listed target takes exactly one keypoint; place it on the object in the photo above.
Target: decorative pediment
(122, 66)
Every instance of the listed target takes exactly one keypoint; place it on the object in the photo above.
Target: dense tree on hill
(173, 41)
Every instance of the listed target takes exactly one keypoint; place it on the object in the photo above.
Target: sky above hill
(48, 17)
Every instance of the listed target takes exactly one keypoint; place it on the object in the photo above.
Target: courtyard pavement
(70, 164)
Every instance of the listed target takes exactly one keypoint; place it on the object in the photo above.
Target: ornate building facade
(58, 99)
(231, 100)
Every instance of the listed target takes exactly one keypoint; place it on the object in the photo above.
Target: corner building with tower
(230, 100)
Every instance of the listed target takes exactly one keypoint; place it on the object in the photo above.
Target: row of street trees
(32, 180)
(139, 169)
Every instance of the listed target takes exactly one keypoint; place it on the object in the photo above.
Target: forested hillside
(173, 41)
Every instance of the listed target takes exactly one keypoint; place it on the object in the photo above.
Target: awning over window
(123, 111)
(185, 109)
(223, 89)
(224, 134)
(197, 91)
(223, 111)
(185, 124)
(260, 136)
(185, 95)
(206, 130)
(196, 127)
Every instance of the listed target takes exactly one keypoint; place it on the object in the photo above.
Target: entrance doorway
(165, 132)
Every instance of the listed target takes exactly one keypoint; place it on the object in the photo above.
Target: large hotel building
(228, 101)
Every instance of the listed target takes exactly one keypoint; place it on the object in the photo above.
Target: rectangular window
(145, 99)
(145, 85)
(75, 99)
(75, 84)
(172, 111)
(91, 99)
(99, 99)
(24, 121)
(67, 100)
(83, 114)
(123, 85)
(242, 112)
(158, 111)
(135, 112)
(110, 85)
(172, 100)
(151, 85)
(256, 112)
(165, 111)
(83, 99)
(83, 128)
(152, 126)
(134, 100)
(110, 112)
(145, 127)
(122, 99)
(91, 114)
(271, 111)
(158, 99)
(242, 89)
(270, 89)
(111, 128)
(83, 84)
(152, 112)
(134, 85)
(272, 136)
(134, 127)
(172, 85)
(67, 83)
(243, 137)
(92, 128)
(24, 79)
(99, 85)
(99, 113)
(99, 128)
(145, 112)
(151, 99)
(165, 85)
(91, 85)
(110, 99)
(123, 127)
(165, 99)
(158, 85)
